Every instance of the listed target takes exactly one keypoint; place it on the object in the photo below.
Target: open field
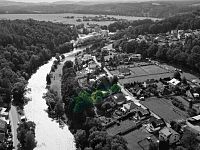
(165, 109)
(145, 77)
(119, 128)
(134, 137)
(60, 18)
(154, 69)
(142, 73)
(138, 71)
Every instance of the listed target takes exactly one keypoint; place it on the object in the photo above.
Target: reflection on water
(49, 134)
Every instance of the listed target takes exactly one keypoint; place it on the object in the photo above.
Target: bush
(178, 104)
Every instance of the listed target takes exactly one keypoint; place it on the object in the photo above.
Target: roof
(174, 81)
(133, 106)
(157, 122)
(119, 97)
(143, 112)
(168, 131)
(130, 106)
(196, 117)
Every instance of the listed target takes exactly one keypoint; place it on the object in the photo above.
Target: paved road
(14, 118)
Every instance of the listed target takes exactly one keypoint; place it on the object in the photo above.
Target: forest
(185, 55)
(147, 26)
(24, 46)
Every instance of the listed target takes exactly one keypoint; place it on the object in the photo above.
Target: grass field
(134, 137)
(153, 69)
(145, 77)
(165, 109)
(119, 128)
(142, 73)
(138, 71)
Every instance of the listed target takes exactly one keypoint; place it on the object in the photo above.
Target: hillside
(160, 9)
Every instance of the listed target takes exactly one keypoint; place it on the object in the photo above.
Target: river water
(49, 135)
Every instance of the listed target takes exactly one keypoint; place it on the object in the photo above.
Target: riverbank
(49, 134)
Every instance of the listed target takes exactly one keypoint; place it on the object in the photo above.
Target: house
(3, 126)
(168, 134)
(3, 112)
(129, 107)
(155, 124)
(194, 123)
(124, 71)
(142, 113)
(119, 98)
(135, 57)
(174, 82)
(196, 107)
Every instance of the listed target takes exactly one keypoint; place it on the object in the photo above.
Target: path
(14, 118)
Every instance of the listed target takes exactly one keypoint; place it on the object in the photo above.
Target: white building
(174, 82)
(194, 123)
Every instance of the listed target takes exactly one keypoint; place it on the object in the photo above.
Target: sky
(35, 1)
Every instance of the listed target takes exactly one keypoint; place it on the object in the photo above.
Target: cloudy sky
(34, 1)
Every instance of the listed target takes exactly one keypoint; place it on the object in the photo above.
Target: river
(49, 135)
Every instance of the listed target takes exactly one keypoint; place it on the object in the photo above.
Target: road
(14, 118)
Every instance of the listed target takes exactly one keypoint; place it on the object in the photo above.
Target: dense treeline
(24, 46)
(88, 131)
(134, 28)
(186, 55)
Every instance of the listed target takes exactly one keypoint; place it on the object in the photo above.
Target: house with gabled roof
(169, 135)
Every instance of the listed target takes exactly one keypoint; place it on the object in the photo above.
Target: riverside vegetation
(25, 45)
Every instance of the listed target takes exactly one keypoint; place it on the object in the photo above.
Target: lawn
(138, 71)
(165, 109)
(154, 69)
(145, 77)
(134, 137)
(119, 128)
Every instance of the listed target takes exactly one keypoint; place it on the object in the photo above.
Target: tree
(114, 80)
(19, 91)
(59, 109)
(25, 135)
(181, 58)
(196, 49)
(63, 56)
(30, 142)
(115, 88)
(82, 102)
(161, 53)
(153, 146)
(163, 145)
(189, 140)
(97, 97)
(81, 139)
(184, 80)
(48, 79)
(152, 50)
(177, 75)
